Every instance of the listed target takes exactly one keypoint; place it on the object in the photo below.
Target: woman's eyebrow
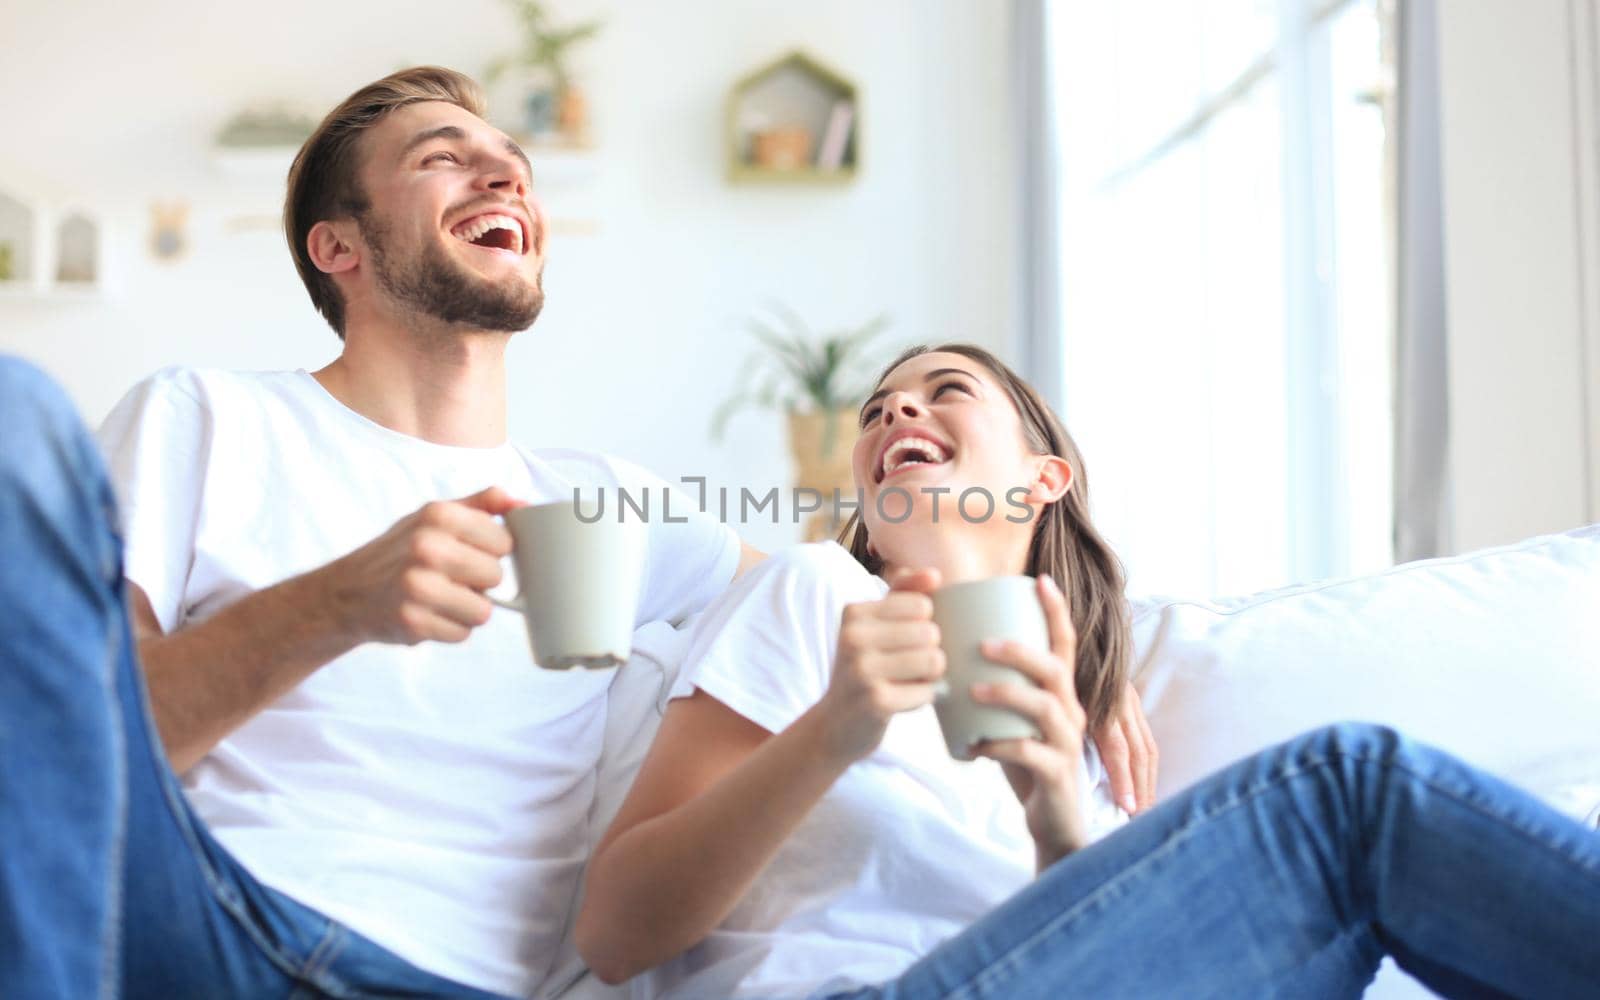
(929, 377)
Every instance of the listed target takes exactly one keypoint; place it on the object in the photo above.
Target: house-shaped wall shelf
(49, 248)
(794, 120)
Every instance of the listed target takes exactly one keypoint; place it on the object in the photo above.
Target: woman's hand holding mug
(1044, 772)
(888, 661)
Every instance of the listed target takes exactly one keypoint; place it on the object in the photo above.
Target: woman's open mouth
(909, 452)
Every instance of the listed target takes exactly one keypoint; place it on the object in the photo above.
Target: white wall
(1520, 185)
(655, 260)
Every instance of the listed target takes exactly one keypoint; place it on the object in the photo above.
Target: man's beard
(436, 286)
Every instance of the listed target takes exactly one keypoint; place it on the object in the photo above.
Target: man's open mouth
(908, 451)
(492, 232)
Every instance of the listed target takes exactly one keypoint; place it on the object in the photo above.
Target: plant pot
(822, 462)
(572, 116)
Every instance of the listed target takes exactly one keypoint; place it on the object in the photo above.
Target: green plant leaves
(799, 368)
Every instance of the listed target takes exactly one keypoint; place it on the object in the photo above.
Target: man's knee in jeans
(30, 398)
(39, 427)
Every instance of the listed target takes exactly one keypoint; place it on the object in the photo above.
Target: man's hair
(324, 181)
(1065, 544)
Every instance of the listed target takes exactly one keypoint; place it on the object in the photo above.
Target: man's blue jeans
(1289, 874)
(109, 885)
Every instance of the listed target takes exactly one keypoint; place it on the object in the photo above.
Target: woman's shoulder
(822, 566)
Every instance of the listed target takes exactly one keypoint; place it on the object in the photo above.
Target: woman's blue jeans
(1288, 874)
(1291, 874)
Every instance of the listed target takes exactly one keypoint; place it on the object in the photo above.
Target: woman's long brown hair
(1065, 544)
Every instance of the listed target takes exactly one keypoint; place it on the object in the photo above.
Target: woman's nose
(900, 405)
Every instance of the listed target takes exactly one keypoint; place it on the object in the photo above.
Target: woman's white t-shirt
(906, 849)
(436, 798)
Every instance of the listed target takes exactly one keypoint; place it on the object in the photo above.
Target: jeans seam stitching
(169, 792)
(323, 956)
(111, 957)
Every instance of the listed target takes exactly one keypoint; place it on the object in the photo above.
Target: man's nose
(506, 177)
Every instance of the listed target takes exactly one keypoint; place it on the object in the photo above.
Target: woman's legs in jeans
(1291, 874)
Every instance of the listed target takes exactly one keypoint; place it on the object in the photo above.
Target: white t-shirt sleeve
(766, 648)
(690, 556)
(157, 444)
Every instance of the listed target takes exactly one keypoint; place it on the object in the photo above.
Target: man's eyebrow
(442, 132)
(929, 377)
(455, 132)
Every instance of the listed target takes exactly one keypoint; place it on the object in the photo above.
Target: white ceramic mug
(580, 578)
(1003, 607)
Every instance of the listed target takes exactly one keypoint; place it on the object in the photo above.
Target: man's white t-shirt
(907, 848)
(434, 798)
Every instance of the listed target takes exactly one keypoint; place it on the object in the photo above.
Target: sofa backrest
(1493, 655)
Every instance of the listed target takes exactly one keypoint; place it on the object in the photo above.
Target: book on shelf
(836, 136)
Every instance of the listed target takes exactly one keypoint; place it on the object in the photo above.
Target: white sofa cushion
(1493, 655)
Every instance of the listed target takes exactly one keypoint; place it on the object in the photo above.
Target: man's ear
(332, 246)
(1051, 480)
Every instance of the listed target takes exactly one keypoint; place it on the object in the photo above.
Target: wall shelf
(793, 121)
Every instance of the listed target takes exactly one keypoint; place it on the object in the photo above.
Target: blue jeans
(1291, 874)
(109, 884)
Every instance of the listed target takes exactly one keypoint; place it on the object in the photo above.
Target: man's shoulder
(591, 469)
(204, 386)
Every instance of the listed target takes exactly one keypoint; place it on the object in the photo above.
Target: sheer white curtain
(1220, 219)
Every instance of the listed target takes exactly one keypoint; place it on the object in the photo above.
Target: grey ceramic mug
(580, 578)
(1002, 607)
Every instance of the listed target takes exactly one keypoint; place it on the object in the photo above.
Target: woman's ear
(1051, 481)
(332, 247)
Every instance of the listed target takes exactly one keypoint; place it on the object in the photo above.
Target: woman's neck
(958, 556)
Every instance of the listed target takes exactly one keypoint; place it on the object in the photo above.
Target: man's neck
(445, 387)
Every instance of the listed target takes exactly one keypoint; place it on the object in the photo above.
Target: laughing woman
(799, 830)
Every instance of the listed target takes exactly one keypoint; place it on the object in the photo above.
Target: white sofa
(1494, 655)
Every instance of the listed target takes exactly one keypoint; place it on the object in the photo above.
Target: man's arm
(748, 558)
(421, 580)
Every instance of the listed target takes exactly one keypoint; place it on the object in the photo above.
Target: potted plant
(554, 104)
(817, 380)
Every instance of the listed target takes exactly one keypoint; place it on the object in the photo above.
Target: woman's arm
(718, 795)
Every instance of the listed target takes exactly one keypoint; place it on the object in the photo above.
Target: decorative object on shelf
(552, 110)
(50, 245)
(793, 120)
(787, 148)
(18, 224)
(169, 230)
(817, 381)
(260, 142)
(76, 250)
(266, 127)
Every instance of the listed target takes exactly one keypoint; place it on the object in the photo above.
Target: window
(1225, 285)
